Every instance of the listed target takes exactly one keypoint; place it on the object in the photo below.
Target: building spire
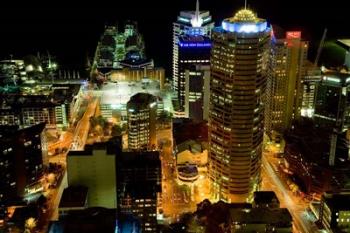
(245, 4)
(197, 20)
(197, 9)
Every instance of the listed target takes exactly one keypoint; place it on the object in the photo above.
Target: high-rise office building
(139, 186)
(142, 113)
(194, 75)
(22, 152)
(332, 105)
(237, 91)
(188, 23)
(284, 84)
(311, 77)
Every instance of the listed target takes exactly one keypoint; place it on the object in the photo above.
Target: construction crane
(320, 47)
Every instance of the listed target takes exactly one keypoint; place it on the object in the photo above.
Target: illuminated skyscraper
(284, 86)
(237, 93)
(190, 23)
(194, 75)
(142, 113)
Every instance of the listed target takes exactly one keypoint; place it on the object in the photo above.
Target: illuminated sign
(244, 27)
(182, 44)
(293, 35)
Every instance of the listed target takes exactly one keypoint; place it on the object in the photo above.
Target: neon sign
(293, 35)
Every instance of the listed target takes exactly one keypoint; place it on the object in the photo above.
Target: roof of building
(261, 216)
(337, 201)
(345, 43)
(8, 133)
(186, 129)
(112, 147)
(134, 159)
(91, 220)
(313, 143)
(245, 15)
(278, 32)
(193, 146)
(264, 197)
(74, 196)
(141, 101)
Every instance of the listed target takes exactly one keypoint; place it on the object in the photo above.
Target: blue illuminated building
(194, 23)
(194, 63)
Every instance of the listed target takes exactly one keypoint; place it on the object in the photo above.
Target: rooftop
(74, 196)
(345, 43)
(186, 129)
(91, 220)
(280, 217)
(245, 15)
(141, 100)
(120, 93)
(264, 197)
(337, 201)
(112, 147)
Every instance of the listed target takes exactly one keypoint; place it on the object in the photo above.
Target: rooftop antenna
(197, 9)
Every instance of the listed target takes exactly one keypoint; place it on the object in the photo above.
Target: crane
(320, 47)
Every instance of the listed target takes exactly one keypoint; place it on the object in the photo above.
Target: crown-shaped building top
(245, 15)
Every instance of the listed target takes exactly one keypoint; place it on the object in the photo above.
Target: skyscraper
(284, 88)
(237, 91)
(142, 113)
(190, 23)
(194, 57)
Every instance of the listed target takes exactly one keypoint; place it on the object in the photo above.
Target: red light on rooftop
(293, 35)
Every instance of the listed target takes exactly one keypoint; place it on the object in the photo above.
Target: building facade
(188, 23)
(332, 103)
(22, 156)
(139, 187)
(194, 75)
(95, 168)
(142, 113)
(335, 211)
(237, 94)
(284, 85)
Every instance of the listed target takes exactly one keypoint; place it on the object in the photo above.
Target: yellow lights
(245, 15)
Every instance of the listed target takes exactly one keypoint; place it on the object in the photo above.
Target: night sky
(71, 31)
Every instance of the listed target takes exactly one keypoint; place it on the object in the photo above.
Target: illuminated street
(272, 181)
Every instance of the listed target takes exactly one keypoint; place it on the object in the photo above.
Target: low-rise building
(73, 198)
(334, 211)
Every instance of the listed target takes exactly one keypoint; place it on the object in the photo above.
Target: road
(272, 181)
(178, 198)
(83, 126)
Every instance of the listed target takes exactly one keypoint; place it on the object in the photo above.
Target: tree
(116, 130)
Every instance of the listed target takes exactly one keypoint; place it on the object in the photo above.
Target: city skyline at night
(187, 116)
(71, 32)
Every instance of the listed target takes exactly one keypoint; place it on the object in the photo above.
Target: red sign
(293, 35)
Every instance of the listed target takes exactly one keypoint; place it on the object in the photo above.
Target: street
(297, 207)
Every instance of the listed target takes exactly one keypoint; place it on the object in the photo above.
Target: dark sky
(70, 31)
